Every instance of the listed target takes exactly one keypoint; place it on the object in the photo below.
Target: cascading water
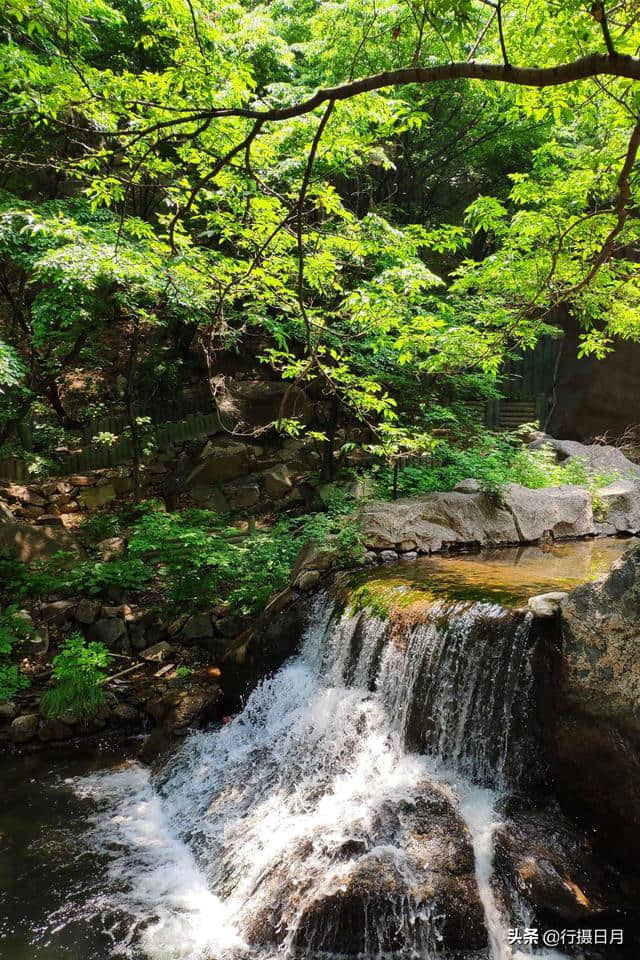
(345, 810)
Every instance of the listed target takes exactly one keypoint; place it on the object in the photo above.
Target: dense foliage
(168, 174)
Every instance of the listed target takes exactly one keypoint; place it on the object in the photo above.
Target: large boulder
(621, 506)
(542, 858)
(257, 403)
(220, 461)
(521, 516)
(593, 721)
(599, 458)
(29, 543)
(405, 884)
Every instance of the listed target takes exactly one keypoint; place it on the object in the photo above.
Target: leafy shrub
(79, 670)
(120, 573)
(493, 460)
(13, 629)
(337, 524)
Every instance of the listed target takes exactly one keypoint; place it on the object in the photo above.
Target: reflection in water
(507, 575)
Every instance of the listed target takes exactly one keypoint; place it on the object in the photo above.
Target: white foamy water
(234, 847)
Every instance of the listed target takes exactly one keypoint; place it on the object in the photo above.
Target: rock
(552, 866)
(8, 711)
(110, 631)
(242, 497)
(125, 713)
(210, 498)
(313, 557)
(411, 869)
(598, 458)
(158, 653)
(370, 557)
(178, 708)
(468, 486)
(277, 482)
(24, 728)
(435, 520)
(230, 626)
(197, 626)
(111, 547)
(81, 481)
(592, 724)
(388, 556)
(49, 520)
(6, 515)
(308, 579)
(225, 460)
(57, 612)
(37, 643)
(16, 491)
(546, 605)
(93, 497)
(54, 729)
(175, 627)
(30, 543)
(121, 610)
(621, 506)
(87, 611)
(259, 402)
(555, 512)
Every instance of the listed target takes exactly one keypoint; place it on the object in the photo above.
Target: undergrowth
(79, 671)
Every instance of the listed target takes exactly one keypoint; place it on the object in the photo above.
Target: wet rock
(110, 631)
(420, 896)
(592, 721)
(388, 556)
(183, 707)
(546, 605)
(125, 713)
(54, 729)
(552, 866)
(87, 611)
(24, 728)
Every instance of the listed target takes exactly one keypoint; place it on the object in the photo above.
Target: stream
(349, 809)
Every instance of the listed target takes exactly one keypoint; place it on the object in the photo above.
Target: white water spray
(294, 826)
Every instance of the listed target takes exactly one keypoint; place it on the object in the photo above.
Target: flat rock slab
(437, 519)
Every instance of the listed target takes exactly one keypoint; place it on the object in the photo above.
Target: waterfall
(330, 816)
